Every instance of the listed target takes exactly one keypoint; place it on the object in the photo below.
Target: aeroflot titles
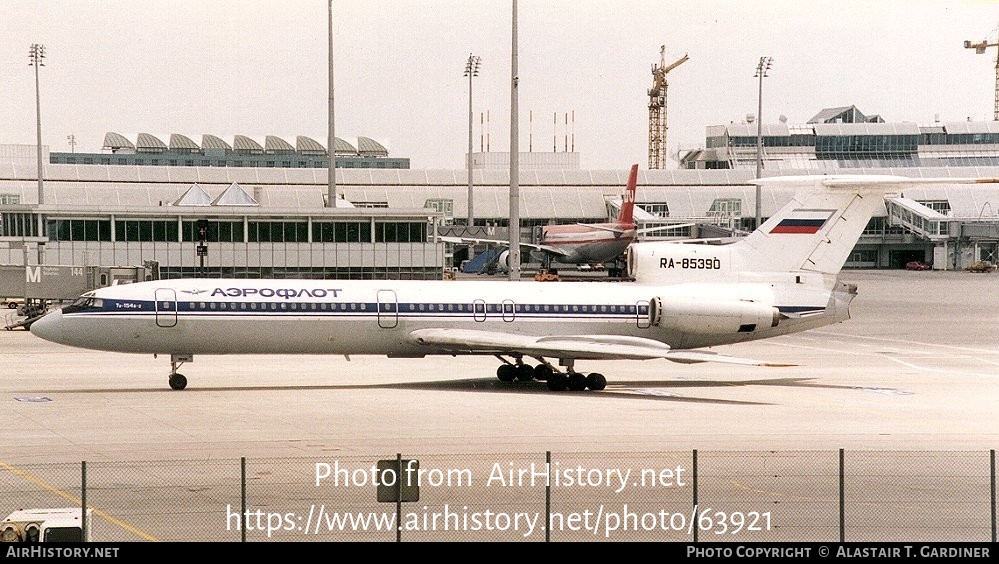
(286, 293)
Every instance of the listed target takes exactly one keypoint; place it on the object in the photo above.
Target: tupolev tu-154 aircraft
(780, 279)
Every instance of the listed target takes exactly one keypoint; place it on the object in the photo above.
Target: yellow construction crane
(657, 110)
(979, 49)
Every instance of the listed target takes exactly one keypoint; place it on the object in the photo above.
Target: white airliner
(780, 279)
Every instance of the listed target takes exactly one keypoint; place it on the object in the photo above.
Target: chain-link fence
(706, 496)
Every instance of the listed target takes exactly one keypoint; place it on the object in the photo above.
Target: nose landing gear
(176, 380)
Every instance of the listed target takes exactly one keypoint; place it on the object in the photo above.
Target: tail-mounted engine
(707, 316)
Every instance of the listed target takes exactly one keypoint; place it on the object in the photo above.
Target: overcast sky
(258, 68)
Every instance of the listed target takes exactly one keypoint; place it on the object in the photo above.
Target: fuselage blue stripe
(414, 310)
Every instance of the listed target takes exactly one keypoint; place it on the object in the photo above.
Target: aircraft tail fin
(627, 214)
(821, 225)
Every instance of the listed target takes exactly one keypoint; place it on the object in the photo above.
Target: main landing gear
(557, 381)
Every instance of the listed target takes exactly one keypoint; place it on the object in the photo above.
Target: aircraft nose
(49, 327)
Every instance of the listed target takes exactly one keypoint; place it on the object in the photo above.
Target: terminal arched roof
(116, 141)
(344, 148)
(180, 142)
(309, 146)
(370, 148)
(149, 143)
(213, 142)
(274, 144)
(243, 144)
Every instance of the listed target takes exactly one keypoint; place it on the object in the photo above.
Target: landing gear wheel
(577, 382)
(178, 381)
(506, 372)
(543, 372)
(525, 372)
(557, 381)
(596, 381)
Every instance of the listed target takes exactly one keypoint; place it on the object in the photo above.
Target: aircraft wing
(473, 240)
(587, 347)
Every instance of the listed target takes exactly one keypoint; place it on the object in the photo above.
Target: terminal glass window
(846, 147)
(657, 209)
(341, 232)
(278, 232)
(939, 206)
(726, 207)
(217, 232)
(146, 230)
(79, 230)
(442, 205)
(400, 232)
(18, 225)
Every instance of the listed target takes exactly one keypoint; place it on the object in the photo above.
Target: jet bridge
(43, 284)
(917, 218)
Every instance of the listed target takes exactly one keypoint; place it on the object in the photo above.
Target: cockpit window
(84, 302)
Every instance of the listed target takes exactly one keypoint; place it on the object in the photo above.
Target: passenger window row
(441, 307)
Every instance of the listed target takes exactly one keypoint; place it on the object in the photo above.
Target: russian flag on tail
(803, 221)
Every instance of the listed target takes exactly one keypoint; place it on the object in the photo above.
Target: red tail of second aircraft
(627, 215)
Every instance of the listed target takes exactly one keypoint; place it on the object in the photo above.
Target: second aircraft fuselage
(584, 244)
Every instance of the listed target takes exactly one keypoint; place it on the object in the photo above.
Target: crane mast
(980, 49)
(658, 152)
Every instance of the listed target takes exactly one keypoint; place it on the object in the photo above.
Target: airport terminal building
(233, 220)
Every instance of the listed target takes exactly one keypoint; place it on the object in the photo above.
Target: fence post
(696, 524)
(992, 472)
(842, 499)
(242, 498)
(548, 497)
(83, 500)
(398, 497)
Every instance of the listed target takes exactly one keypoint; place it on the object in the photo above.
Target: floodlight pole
(761, 72)
(331, 136)
(514, 252)
(471, 70)
(36, 58)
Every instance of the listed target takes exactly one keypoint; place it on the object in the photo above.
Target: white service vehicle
(61, 524)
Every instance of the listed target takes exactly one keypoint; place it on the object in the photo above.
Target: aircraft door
(642, 317)
(509, 310)
(388, 309)
(166, 307)
(479, 310)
